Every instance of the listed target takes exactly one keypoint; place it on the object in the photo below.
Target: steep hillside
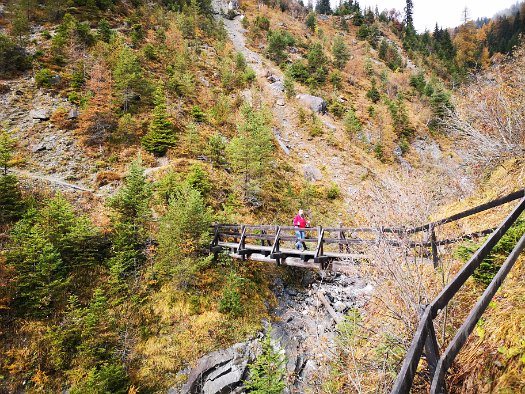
(127, 128)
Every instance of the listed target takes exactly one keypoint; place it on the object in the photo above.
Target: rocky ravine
(304, 329)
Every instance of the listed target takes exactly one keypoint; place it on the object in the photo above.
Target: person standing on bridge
(300, 222)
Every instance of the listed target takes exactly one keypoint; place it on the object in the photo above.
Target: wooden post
(242, 242)
(276, 253)
(433, 245)
(341, 235)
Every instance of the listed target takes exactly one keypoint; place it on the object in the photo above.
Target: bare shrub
(490, 117)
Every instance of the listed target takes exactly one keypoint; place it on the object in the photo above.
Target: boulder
(73, 113)
(278, 86)
(316, 104)
(312, 173)
(220, 372)
(339, 306)
(40, 114)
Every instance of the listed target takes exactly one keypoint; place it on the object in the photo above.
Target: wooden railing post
(433, 245)
(242, 242)
(431, 345)
(276, 253)
(341, 236)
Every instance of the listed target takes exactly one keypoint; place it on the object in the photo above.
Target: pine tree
(440, 105)
(161, 135)
(251, 152)
(11, 203)
(409, 15)
(289, 84)
(373, 94)
(351, 123)
(130, 213)
(128, 77)
(267, 373)
(311, 21)
(183, 231)
(323, 7)
(7, 145)
(340, 52)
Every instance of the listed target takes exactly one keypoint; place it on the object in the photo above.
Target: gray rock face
(278, 86)
(73, 113)
(220, 372)
(316, 104)
(312, 173)
(40, 114)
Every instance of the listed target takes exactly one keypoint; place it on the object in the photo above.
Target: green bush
(262, 23)
(198, 114)
(337, 109)
(333, 192)
(230, 301)
(299, 71)
(44, 77)
(107, 378)
(248, 75)
(278, 41)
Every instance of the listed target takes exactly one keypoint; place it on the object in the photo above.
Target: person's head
(301, 213)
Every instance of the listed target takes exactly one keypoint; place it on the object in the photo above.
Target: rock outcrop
(220, 372)
(316, 104)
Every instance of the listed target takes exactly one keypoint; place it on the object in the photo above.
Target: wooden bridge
(331, 245)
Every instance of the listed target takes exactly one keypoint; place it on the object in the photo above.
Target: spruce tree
(311, 21)
(161, 135)
(128, 77)
(340, 52)
(183, 232)
(251, 151)
(323, 7)
(11, 205)
(7, 145)
(268, 371)
(130, 213)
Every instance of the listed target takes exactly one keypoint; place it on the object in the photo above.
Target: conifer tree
(268, 371)
(7, 144)
(183, 231)
(340, 52)
(251, 152)
(351, 122)
(161, 135)
(130, 214)
(47, 245)
(311, 21)
(323, 7)
(97, 121)
(128, 77)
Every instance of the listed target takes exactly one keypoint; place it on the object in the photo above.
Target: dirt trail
(49, 179)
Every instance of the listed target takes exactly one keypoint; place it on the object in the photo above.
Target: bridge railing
(425, 340)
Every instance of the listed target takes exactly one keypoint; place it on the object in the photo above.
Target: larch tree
(98, 121)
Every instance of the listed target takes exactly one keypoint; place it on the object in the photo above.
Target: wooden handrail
(408, 369)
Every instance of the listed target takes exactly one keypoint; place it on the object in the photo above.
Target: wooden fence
(425, 340)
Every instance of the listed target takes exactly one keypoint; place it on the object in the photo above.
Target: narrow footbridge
(329, 247)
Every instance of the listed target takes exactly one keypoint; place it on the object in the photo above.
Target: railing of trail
(347, 239)
(425, 340)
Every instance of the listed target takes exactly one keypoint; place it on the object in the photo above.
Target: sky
(447, 13)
